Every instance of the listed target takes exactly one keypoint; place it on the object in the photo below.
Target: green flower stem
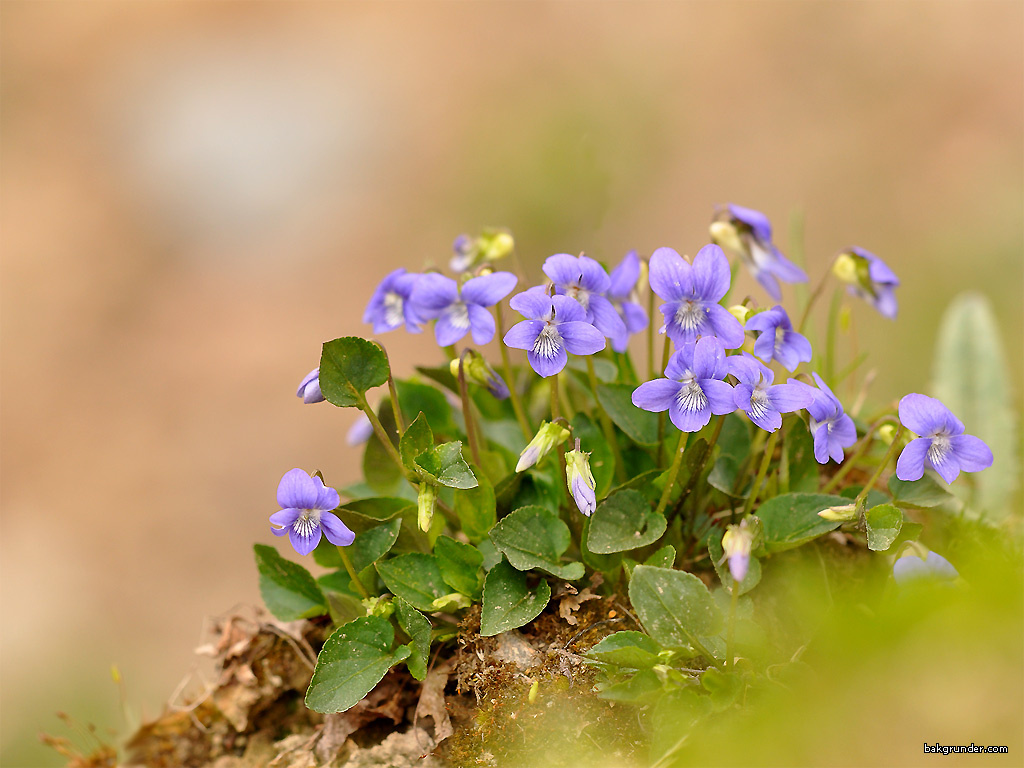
(606, 425)
(699, 469)
(731, 632)
(449, 352)
(517, 406)
(865, 445)
(555, 416)
(755, 489)
(665, 351)
(878, 472)
(830, 336)
(818, 290)
(734, 269)
(467, 412)
(395, 408)
(352, 573)
(651, 373)
(673, 471)
(382, 435)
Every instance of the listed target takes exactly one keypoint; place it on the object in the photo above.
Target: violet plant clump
(686, 462)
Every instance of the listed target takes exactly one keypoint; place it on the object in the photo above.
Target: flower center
(780, 336)
(306, 523)
(691, 397)
(939, 449)
(393, 303)
(759, 404)
(690, 315)
(582, 295)
(458, 315)
(548, 342)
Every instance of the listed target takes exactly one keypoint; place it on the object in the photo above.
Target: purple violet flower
(389, 307)
(693, 388)
(748, 234)
(555, 325)
(583, 279)
(831, 428)
(942, 444)
(777, 340)
(459, 311)
(692, 293)
(305, 512)
(580, 480)
(309, 389)
(763, 401)
(911, 569)
(622, 288)
(870, 278)
(360, 431)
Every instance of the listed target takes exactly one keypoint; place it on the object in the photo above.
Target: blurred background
(196, 195)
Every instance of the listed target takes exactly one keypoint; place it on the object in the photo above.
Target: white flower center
(759, 402)
(690, 315)
(780, 336)
(548, 342)
(458, 315)
(691, 397)
(582, 295)
(306, 523)
(393, 303)
(939, 449)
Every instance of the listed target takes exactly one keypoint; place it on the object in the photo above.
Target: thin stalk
(755, 490)
(734, 269)
(561, 454)
(382, 435)
(395, 407)
(666, 349)
(352, 573)
(651, 373)
(467, 412)
(851, 462)
(517, 405)
(673, 471)
(881, 468)
(818, 289)
(733, 600)
(606, 425)
(699, 469)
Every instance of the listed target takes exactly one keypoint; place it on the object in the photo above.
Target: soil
(522, 697)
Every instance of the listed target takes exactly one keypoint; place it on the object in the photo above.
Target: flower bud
(725, 235)
(548, 436)
(841, 514)
(887, 433)
(736, 543)
(580, 479)
(379, 606)
(495, 244)
(360, 431)
(426, 500)
(846, 267)
(741, 312)
(454, 601)
(479, 371)
(309, 389)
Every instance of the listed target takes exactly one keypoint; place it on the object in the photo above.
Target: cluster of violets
(582, 308)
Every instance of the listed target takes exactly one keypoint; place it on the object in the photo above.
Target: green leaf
(925, 492)
(289, 590)
(638, 686)
(351, 663)
(624, 521)
(883, 523)
(532, 537)
(417, 627)
(416, 398)
(674, 606)
(792, 519)
(803, 467)
(362, 514)
(373, 544)
(604, 563)
(734, 447)
(602, 461)
(415, 577)
(751, 580)
(460, 565)
(417, 439)
(509, 601)
(444, 464)
(972, 380)
(644, 483)
(379, 469)
(626, 649)
(663, 558)
(641, 426)
(348, 367)
(476, 509)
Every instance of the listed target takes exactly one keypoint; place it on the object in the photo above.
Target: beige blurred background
(196, 195)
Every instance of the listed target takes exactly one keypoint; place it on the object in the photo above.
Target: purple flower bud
(942, 444)
(305, 512)
(580, 480)
(309, 389)
(360, 431)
